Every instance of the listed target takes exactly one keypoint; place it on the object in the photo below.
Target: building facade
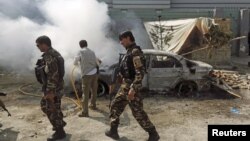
(151, 10)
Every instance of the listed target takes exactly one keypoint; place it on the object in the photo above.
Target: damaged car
(165, 72)
(172, 72)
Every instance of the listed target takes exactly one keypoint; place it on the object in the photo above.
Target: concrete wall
(198, 4)
(147, 10)
(138, 4)
(219, 55)
(148, 4)
(244, 24)
(214, 56)
(209, 3)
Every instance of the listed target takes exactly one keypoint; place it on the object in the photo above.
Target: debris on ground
(233, 79)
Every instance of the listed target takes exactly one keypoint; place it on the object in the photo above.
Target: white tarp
(181, 31)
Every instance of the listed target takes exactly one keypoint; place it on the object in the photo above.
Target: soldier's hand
(131, 94)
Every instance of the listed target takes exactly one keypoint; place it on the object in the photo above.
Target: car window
(163, 61)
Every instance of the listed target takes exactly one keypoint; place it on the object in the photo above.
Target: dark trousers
(52, 108)
(120, 102)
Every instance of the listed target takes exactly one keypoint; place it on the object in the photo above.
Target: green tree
(161, 35)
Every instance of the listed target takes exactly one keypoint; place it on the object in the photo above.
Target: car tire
(102, 89)
(186, 89)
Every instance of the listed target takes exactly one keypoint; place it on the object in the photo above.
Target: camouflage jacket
(132, 67)
(52, 70)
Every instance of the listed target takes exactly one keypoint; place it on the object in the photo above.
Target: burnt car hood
(203, 64)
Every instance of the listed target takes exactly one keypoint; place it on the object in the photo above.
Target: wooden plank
(230, 92)
(234, 94)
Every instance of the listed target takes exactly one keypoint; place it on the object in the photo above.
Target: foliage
(161, 35)
(216, 38)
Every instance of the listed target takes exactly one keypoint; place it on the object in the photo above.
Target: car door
(164, 72)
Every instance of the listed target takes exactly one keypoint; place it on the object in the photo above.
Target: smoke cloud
(25, 8)
(129, 21)
(65, 22)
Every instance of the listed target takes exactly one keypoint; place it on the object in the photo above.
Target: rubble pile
(233, 79)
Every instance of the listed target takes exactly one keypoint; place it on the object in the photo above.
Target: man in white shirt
(89, 72)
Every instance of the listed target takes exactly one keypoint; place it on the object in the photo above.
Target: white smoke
(17, 42)
(130, 21)
(66, 22)
(17, 8)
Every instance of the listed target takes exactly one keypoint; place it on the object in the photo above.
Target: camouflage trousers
(52, 108)
(121, 101)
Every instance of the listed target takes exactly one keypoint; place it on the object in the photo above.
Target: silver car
(166, 72)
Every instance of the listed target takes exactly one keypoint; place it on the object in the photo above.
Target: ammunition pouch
(40, 73)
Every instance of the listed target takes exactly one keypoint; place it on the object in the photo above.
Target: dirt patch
(176, 119)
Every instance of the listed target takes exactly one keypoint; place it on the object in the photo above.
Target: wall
(148, 10)
(209, 3)
(216, 56)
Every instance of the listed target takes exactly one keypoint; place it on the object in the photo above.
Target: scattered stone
(21, 117)
(33, 135)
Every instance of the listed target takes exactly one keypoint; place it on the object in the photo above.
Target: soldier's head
(83, 43)
(126, 38)
(43, 43)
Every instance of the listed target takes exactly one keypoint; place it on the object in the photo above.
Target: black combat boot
(113, 133)
(59, 134)
(153, 135)
(63, 125)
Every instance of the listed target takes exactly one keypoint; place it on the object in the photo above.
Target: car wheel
(102, 89)
(186, 89)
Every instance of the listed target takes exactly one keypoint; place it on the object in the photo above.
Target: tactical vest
(40, 72)
(127, 68)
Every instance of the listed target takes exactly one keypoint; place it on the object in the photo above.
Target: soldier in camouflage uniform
(132, 69)
(53, 68)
